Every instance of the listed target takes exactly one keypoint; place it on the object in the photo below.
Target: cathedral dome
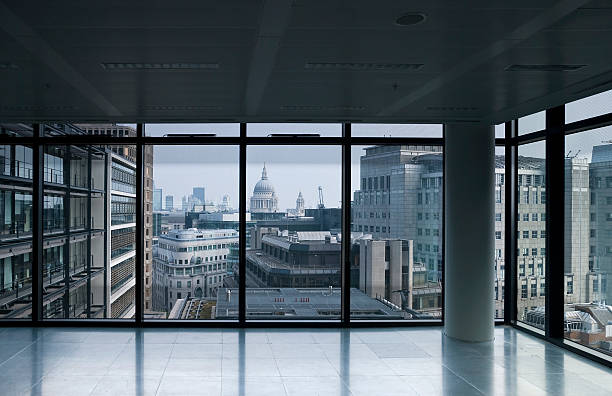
(264, 199)
(263, 186)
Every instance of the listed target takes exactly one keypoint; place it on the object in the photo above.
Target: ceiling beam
(546, 18)
(274, 21)
(31, 40)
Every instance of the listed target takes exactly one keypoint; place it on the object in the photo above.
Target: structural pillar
(469, 206)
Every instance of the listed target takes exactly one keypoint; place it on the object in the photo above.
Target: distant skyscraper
(184, 203)
(198, 192)
(169, 202)
(157, 199)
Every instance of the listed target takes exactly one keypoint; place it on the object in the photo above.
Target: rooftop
(301, 304)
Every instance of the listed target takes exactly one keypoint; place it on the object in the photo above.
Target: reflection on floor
(397, 361)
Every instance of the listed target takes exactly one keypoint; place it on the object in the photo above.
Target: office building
(189, 263)
(464, 151)
(401, 198)
(83, 250)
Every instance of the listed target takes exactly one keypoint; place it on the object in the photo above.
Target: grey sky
(303, 168)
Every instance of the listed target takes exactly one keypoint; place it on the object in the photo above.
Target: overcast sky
(292, 169)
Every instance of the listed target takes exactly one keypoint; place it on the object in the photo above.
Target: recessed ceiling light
(362, 66)
(544, 67)
(159, 66)
(411, 18)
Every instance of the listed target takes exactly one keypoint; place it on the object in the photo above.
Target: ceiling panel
(58, 47)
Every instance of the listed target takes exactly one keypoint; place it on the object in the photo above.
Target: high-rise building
(598, 287)
(129, 152)
(169, 203)
(401, 198)
(89, 224)
(157, 199)
(199, 193)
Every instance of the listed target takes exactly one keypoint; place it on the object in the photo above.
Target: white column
(469, 172)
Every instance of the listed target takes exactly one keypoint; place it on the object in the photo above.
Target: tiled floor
(398, 361)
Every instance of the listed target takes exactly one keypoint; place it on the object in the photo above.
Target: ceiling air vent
(544, 68)
(452, 108)
(321, 108)
(159, 66)
(182, 108)
(357, 66)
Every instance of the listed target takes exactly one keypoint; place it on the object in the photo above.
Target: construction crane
(321, 204)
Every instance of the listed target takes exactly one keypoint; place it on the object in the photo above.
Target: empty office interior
(296, 198)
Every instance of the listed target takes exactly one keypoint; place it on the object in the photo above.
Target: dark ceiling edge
(253, 120)
(582, 89)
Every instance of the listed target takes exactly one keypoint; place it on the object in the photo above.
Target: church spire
(264, 174)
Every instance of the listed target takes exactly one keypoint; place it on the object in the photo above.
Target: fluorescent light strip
(544, 68)
(159, 66)
(316, 107)
(183, 108)
(359, 66)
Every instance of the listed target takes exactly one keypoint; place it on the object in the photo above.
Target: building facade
(88, 219)
(401, 198)
(190, 262)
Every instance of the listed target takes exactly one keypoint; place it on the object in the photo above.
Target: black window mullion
(242, 207)
(139, 299)
(510, 209)
(346, 226)
(37, 231)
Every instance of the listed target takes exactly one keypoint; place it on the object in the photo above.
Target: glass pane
(114, 130)
(588, 107)
(531, 234)
(89, 219)
(588, 232)
(500, 130)
(15, 231)
(268, 129)
(293, 259)
(397, 130)
(500, 233)
(217, 129)
(191, 232)
(396, 259)
(532, 123)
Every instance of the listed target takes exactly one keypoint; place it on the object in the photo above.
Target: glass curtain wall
(499, 263)
(588, 238)
(89, 215)
(15, 229)
(293, 258)
(396, 249)
(194, 233)
(531, 235)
